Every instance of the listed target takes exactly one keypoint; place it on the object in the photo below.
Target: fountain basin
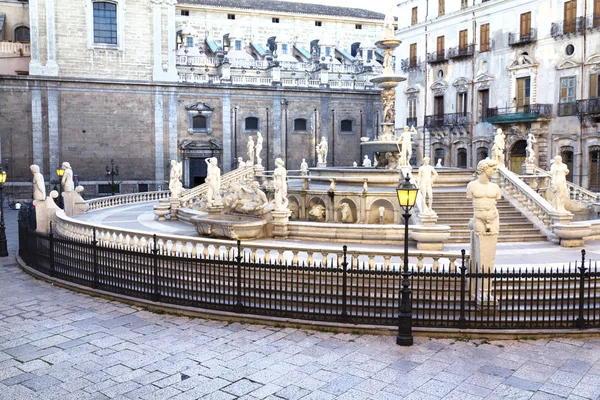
(230, 226)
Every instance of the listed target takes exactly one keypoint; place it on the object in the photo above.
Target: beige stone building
(143, 82)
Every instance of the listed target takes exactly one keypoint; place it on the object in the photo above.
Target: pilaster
(53, 138)
(35, 64)
(171, 75)
(36, 128)
(51, 65)
(173, 126)
(226, 162)
(159, 146)
(157, 70)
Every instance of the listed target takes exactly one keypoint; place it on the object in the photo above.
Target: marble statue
(381, 214)
(67, 178)
(425, 181)
(213, 195)
(280, 186)
(558, 185)
(388, 97)
(259, 146)
(498, 147)
(388, 57)
(250, 151)
(175, 185)
(322, 149)
(346, 213)
(366, 162)
(39, 186)
(317, 211)
(439, 163)
(531, 140)
(252, 200)
(388, 25)
(354, 164)
(374, 162)
(406, 152)
(303, 167)
(485, 224)
(241, 163)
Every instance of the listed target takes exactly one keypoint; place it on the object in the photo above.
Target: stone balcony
(567, 28)
(446, 120)
(437, 57)
(14, 58)
(588, 108)
(522, 38)
(526, 113)
(461, 51)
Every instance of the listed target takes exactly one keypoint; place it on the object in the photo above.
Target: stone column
(51, 65)
(36, 128)
(159, 146)
(171, 35)
(226, 161)
(173, 145)
(158, 70)
(35, 64)
(53, 139)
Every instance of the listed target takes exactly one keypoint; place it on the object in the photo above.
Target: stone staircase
(454, 209)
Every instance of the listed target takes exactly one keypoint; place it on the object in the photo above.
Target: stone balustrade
(118, 200)
(238, 176)
(578, 194)
(23, 49)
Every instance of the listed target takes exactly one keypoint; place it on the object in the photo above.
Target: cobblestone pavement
(57, 344)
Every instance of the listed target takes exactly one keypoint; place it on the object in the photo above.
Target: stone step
(503, 238)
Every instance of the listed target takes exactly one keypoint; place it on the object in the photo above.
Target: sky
(375, 5)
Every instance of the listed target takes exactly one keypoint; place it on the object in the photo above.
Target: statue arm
(470, 191)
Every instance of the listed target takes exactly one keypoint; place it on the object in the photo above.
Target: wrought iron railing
(540, 110)
(516, 39)
(566, 109)
(486, 46)
(441, 120)
(343, 290)
(565, 28)
(411, 121)
(437, 57)
(588, 107)
(409, 64)
(461, 51)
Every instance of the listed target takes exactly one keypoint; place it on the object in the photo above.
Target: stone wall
(17, 14)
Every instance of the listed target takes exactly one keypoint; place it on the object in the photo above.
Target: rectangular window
(358, 26)
(142, 187)
(525, 26)
(594, 87)
(464, 4)
(461, 103)
(484, 104)
(596, 22)
(275, 20)
(440, 46)
(413, 56)
(523, 92)
(230, 16)
(185, 13)
(318, 23)
(105, 23)
(412, 108)
(441, 8)
(284, 49)
(484, 35)
(438, 106)
(567, 89)
(238, 45)
(413, 19)
(570, 13)
(462, 40)
(189, 41)
(327, 51)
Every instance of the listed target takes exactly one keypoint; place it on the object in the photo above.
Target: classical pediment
(412, 90)
(199, 106)
(211, 144)
(439, 87)
(461, 84)
(594, 59)
(483, 81)
(566, 64)
(522, 61)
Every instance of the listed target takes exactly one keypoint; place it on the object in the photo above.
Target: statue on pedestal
(39, 186)
(499, 147)
(439, 163)
(558, 186)
(213, 194)
(259, 146)
(280, 186)
(388, 97)
(250, 151)
(241, 163)
(366, 162)
(322, 149)
(67, 178)
(303, 168)
(406, 152)
(175, 185)
(426, 178)
(531, 140)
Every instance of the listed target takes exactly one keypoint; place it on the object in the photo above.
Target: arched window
(594, 168)
(439, 155)
(199, 122)
(22, 34)
(482, 153)
(300, 124)
(566, 152)
(461, 158)
(346, 126)
(105, 22)
(251, 124)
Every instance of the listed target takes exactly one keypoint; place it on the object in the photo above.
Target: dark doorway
(461, 158)
(438, 110)
(197, 171)
(484, 104)
(594, 169)
(517, 156)
(482, 154)
(567, 157)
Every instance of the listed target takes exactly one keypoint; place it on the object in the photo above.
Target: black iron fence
(442, 120)
(348, 291)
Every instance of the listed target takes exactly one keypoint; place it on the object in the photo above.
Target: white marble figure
(388, 57)
(531, 140)
(250, 151)
(253, 200)
(558, 186)
(318, 212)
(388, 25)
(303, 168)
(484, 194)
(346, 213)
(498, 147)
(280, 186)
(213, 195)
(175, 185)
(322, 149)
(354, 164)
(366, 162)
(426, 179)
(406, 152)
(381, 214)
(259, 146)
(39, 186)
(388, 97)
(67, 178)
(439, 163)
(241, 162)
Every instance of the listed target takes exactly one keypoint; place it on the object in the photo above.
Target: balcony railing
(411, 121)
(592, 21)
(437, 57)
(443, 120)
(409, 64)
(588, 107)
(517, 39)
(565, 28)
(22, 49)
(486, 46)
(461, 51)
(530, 112)
(567, 109)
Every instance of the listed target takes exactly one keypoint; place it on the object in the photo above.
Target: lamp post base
(404, 337)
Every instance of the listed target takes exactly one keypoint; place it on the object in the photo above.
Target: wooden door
(413, 55)
(413, 19)
(438, 110)
(462, 41)
(570, 12)
(484, 34)
(523, 94)
(525, 27)
(484, 101)
(440, 47)
(596, 22)
(441, 7)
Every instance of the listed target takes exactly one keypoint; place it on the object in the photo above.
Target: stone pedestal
(321, 165)
(281, 220)
(161, 210)
(528, 169)
(560, 218)
(571, 235)
(215, 208)
(174, 204)
(428, 219)
(258, 170)
(69, 202)
(430, 237)
(483, 258)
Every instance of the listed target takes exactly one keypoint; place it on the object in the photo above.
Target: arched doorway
(461, 158)
(517, 156)
(594, 169)
(482, 154)
(566, 152)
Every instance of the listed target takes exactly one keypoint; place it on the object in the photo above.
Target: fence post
(96, 282)
(156, 294)
(344, 316)
(51, 250)
(239, 306)
(462, 321)
(580, 323)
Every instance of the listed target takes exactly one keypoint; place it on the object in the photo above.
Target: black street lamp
(60, 172)
(112, 172)
(3, 246)
(407, 195)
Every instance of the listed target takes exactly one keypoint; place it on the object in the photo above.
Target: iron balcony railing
(529, 111)
(411, 122)
(566, 28)
(443, 120)
(566, 109)
(517, 39)
(588, 107)
(486, 46)
(437, 57)
(592, 21)
(461, 51)
(409, 64)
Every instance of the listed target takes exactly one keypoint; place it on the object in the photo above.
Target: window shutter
(594, 85)
(525, 24)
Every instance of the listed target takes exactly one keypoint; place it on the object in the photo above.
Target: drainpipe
(267, 139)
(316, 130)
(332, 139)
(235, 146)
(472, 122)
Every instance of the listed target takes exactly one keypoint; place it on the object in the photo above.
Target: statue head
(366, 157)
(279, 162)
(558, 159)
(258, 134)
(35, 169)
(255, 185)
(304, 160)
(426, 161)
(240, 159)
(213, 161)
(499, 131)
(66, 165)
(487, 167)
(406, 128)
